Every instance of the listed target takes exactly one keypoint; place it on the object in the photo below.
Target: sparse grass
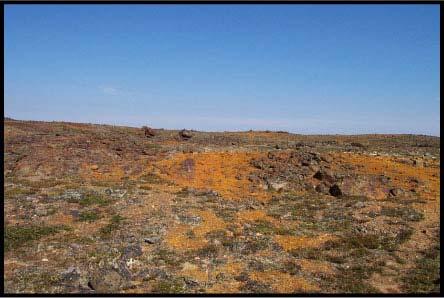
(40, 184)
(145, 187)
(173, 286)
(190, 234)
(152, 178)
(246, 247)
(307, 253)
(267, 228)
(16, 236)
(226, 214)
(262, 226)
(353, 279)
(291, 268)
(183, 193)
(209, 251)
(425, 277)
(168, 257)
(89, 216)
(216, 234)
(103, 183)
(153, 146)
(405, 213)
(51, 210)
(37, 282)
(16, 192)
(93, 199)
(115, 223)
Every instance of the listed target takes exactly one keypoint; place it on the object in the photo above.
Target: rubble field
(110, 209)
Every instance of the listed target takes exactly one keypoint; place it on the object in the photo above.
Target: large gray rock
(185, 134)
(109, 281)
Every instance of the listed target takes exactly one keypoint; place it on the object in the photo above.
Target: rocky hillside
(108, 209)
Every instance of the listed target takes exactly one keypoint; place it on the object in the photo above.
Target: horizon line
(227, 131)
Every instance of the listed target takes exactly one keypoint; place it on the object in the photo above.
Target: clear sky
(302, 68)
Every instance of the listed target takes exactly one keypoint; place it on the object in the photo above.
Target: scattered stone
(396, 192)
(322, 188)
(153, 273)
(313, 167)
(360, 205)
(152, 240)
(335, 190)
(94, 167)
(305, 163)
(132, 251)
(148, 131)
(276, 185)
(70, 195)
(71, 274)
(107, 282)
(74, 213)
(41, 211)
(185, 134)
(188, 165)
(191, 220)
(190, 282)
(356, 144)
(418, 163)
(254, 178)
(326, 158)
(384, 179)
(325, 175)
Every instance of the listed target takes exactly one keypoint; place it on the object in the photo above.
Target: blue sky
(320, 69)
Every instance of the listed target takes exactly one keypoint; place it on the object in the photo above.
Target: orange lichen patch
(178, 239)
(400, 173)
(225, 287)
(292, 242)
(106, 173)
(225, 172)
(229, 269)
(253, 215)
(193, 271)
(210, 222)
(313, 266)
(283, 282)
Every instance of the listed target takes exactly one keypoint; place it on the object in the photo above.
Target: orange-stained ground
(225, 172)
(400, 173)
(283, 282)
(178, 239)
(293, 242)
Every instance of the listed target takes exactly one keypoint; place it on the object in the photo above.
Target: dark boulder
(185, 134)
(335, 190)
(324, 175)
(149, 132)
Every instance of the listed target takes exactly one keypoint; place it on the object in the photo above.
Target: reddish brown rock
(149, 132)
